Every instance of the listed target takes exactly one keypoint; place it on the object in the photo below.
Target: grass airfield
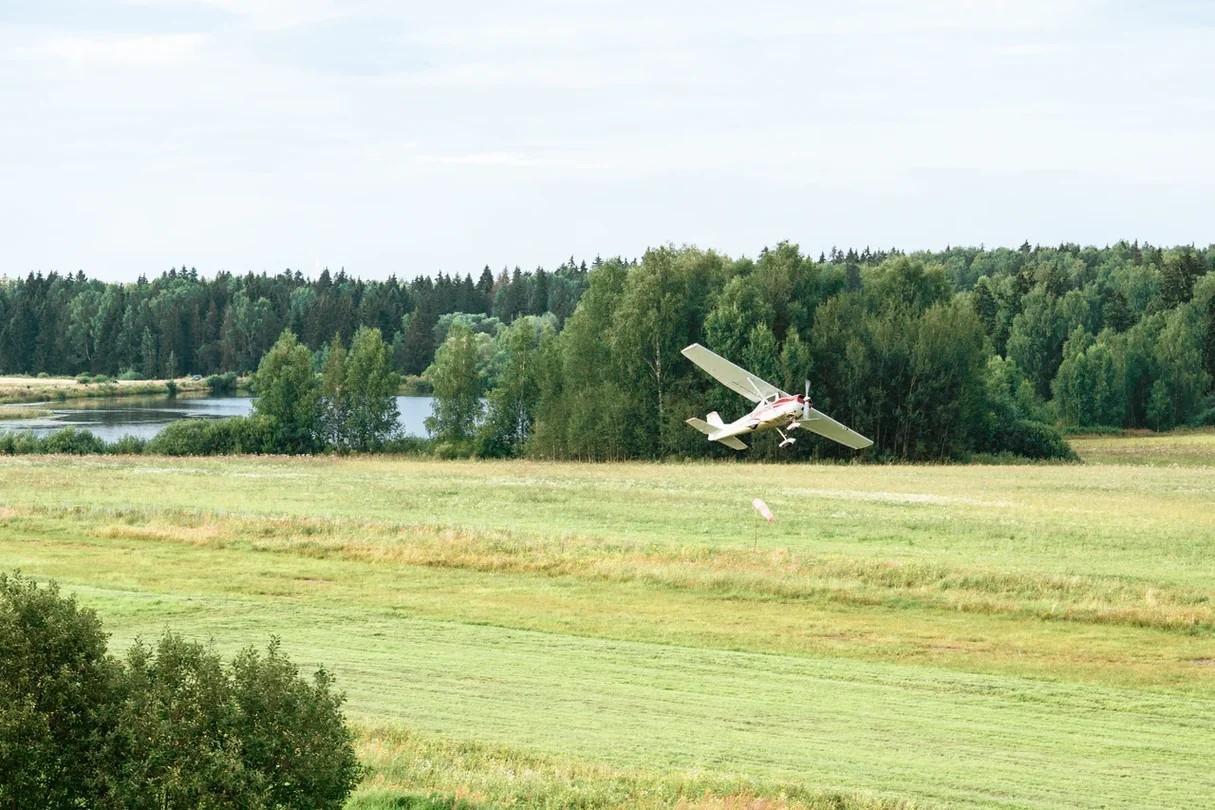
(626, 635)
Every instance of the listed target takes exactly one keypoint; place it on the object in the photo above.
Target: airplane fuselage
(779, 413)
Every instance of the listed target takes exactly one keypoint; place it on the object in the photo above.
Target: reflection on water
(144, 417)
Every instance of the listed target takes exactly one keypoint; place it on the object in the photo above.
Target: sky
(412, 138)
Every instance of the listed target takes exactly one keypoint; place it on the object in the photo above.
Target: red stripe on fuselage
(771, 411)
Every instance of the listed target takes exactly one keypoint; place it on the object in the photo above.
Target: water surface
(111, 418)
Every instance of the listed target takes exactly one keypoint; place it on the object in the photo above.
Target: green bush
(130, 374)
(409, 446)
(453, 449)
(72, 441)
(128, 446)
(83, 379)
(1031, 439)
(57, 698)
(171, 726)
(213, 437)
(185, 437)
(19, 443)
(222, 383)
(171, 387)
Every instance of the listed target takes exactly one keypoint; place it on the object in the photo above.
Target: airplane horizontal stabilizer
(707, 429)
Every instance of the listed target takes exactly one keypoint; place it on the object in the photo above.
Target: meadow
(57, 389)
(544, 634)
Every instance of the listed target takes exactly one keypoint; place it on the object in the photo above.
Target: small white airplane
(774, 408)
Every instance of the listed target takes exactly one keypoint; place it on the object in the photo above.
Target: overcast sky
(408, 138)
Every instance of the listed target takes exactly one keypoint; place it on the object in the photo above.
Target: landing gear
(786, 440)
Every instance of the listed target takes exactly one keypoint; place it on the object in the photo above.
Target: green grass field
(627, 635)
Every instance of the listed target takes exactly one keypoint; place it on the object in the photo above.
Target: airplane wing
(737, 379)
(824, 425)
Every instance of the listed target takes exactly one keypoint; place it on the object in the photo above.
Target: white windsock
(763, 509)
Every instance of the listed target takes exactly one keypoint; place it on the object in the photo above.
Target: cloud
(123, 51)
(268, 14)
(93, 16)
(481, 159)
(354, 46)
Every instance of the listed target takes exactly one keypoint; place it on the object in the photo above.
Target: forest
(183, 323)
(934, 355)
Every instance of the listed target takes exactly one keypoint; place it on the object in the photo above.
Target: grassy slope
(1028, 636)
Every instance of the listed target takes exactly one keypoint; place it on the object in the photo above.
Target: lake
(112, 418)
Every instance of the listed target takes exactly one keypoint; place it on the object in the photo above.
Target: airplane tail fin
(709, 429)
(714, 419)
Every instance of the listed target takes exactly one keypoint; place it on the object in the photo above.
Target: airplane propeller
(806, 403)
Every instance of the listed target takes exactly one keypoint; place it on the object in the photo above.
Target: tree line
(182, 323)
(934, 355)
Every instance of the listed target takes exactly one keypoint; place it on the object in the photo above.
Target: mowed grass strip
(129, 558)
(1155, 524)
(739, 576)
(897, 730)
(737, 573)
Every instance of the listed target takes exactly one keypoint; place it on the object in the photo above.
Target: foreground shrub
(193, 732)
(171, 726)
(57, 697)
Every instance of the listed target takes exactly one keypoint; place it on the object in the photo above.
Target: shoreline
(28, 390)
